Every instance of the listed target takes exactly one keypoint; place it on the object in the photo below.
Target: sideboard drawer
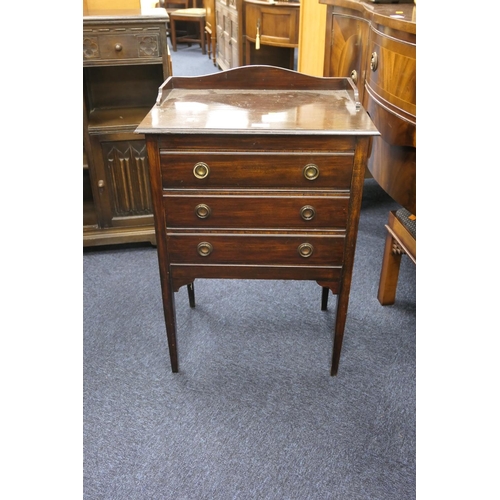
(243, 211)
(121, 46)
(196, 170)
(256, 249)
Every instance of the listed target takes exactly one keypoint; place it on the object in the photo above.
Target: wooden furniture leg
(325, 291)
(173, 36)
(190, 288)
(170, 323)
(400, 240)
(390, 273)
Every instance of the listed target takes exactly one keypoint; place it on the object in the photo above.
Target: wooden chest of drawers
(257, 172)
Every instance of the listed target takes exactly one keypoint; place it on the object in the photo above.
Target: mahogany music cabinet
(257, 173)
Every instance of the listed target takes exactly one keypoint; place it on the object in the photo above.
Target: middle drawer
(243, 211)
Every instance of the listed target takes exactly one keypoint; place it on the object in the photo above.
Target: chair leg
(202, 37)
(389, 273)
(173, 36)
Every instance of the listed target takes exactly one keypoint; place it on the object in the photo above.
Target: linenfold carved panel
(129, 175)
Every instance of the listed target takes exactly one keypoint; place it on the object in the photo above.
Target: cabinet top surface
(92, 15)
(257, 100)
(274, 3)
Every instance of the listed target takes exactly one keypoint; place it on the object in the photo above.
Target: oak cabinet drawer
(268, 211)
(238, 170)
(264, 250)
(119, 46)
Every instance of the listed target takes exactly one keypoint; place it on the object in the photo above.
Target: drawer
(256, 249)
(270, 211)
(120, 46)
(392, 71)
(271, 170)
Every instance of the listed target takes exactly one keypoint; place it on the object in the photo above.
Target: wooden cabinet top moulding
(398, 16)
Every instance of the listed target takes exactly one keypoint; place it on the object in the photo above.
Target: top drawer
(195, 170)
(115, 44)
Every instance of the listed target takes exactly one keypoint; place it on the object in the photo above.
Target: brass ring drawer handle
(202, 211)
(201, 170)
(305, 250)
(307, 212)
(311, 171)
(205, 248)
(374, 61)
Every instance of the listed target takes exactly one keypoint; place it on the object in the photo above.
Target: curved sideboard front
(375, 45)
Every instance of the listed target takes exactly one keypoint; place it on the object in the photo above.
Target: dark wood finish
(271, 33)
(125, 60)
(233, 164)
(229, 19)
(378, 42)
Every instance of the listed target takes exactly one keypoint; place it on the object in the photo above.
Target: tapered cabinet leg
(338, 336)
(190, 288)
(170, 323)
(324, 298)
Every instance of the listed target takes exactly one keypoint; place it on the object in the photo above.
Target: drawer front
(262, 250)
(120, 46)
(230, 170)
(215, 211)
(392, 71)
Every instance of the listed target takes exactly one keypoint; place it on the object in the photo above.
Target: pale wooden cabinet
(271, 33)
(125, 60)
(230, 25)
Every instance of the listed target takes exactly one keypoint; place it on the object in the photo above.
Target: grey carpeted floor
(253, 412)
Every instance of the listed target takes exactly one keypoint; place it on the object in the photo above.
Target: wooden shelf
(119, 119)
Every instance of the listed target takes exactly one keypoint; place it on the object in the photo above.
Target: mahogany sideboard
(257, 173)
(375, 44)
(125, 60)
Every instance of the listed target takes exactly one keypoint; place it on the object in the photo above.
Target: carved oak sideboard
(125, 60)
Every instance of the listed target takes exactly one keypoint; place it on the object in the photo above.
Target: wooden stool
(196, 16)
(401, 239)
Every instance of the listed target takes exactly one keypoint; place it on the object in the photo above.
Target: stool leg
(389, 273)
(173, 36)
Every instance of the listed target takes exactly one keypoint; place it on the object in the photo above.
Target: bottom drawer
(250, 249)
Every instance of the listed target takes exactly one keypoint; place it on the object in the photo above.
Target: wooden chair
(210, 29)
(187, 16)
(401, 240)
